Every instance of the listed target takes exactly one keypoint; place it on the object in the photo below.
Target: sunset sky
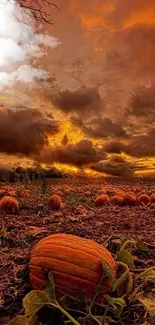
(81, 95)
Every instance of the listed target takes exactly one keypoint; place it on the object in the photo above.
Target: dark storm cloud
(139, 146)
(143, 145)
(142, 103)
(103, 128)
(115, 147)
(80, 154)
(24, 131)
(117, 159)
(80, 100)
(99, 127)
(114, 169)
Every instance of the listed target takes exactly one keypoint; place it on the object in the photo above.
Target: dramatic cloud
(99, 127)
(82, 100)
(20, 46)
(25, 131)
(138, 146)
(80, 154)
(115, 147)
(117, 159)
(114, 168)
(142, 103)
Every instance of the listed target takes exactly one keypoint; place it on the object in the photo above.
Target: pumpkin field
(77, 251)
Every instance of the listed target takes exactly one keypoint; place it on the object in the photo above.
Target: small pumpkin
(67, 191)
(152, 197)
(131, 193)
(118, 200)
(130, 198)
(9, 204)
(87, 194)
(55, 202)
(75, 263)
(102, 200)
(120, 193)
(145, 199)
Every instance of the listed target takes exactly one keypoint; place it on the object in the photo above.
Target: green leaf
(107, 271)
(35, 300)
(117, 304)
(125, 257)
(149, 305)
(124, 284)
(19, 320)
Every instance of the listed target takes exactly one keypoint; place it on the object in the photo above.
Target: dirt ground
(78, 215)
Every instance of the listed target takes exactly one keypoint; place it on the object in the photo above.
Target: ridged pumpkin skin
(75, 263)
(9, 204)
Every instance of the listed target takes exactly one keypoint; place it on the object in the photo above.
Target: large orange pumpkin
(9, 204)
(75, 263)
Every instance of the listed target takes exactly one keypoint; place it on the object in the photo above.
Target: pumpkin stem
(126, 243)
(123, 265)
(63, 311)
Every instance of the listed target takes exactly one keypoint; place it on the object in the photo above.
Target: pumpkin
(87, 194)
(9, 204)
(67, 191)
(120, 193)
(130, 198)
(102, 200)
(118, 200)
(145, 199)
(55, 202)
(152, 197)
(75, 264)
(131, 193)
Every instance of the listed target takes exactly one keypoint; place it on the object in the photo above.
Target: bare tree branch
(39, 9)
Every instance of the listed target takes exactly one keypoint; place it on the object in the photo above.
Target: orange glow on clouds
(145, 16)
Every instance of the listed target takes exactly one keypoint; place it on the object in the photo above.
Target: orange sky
(107, 46)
